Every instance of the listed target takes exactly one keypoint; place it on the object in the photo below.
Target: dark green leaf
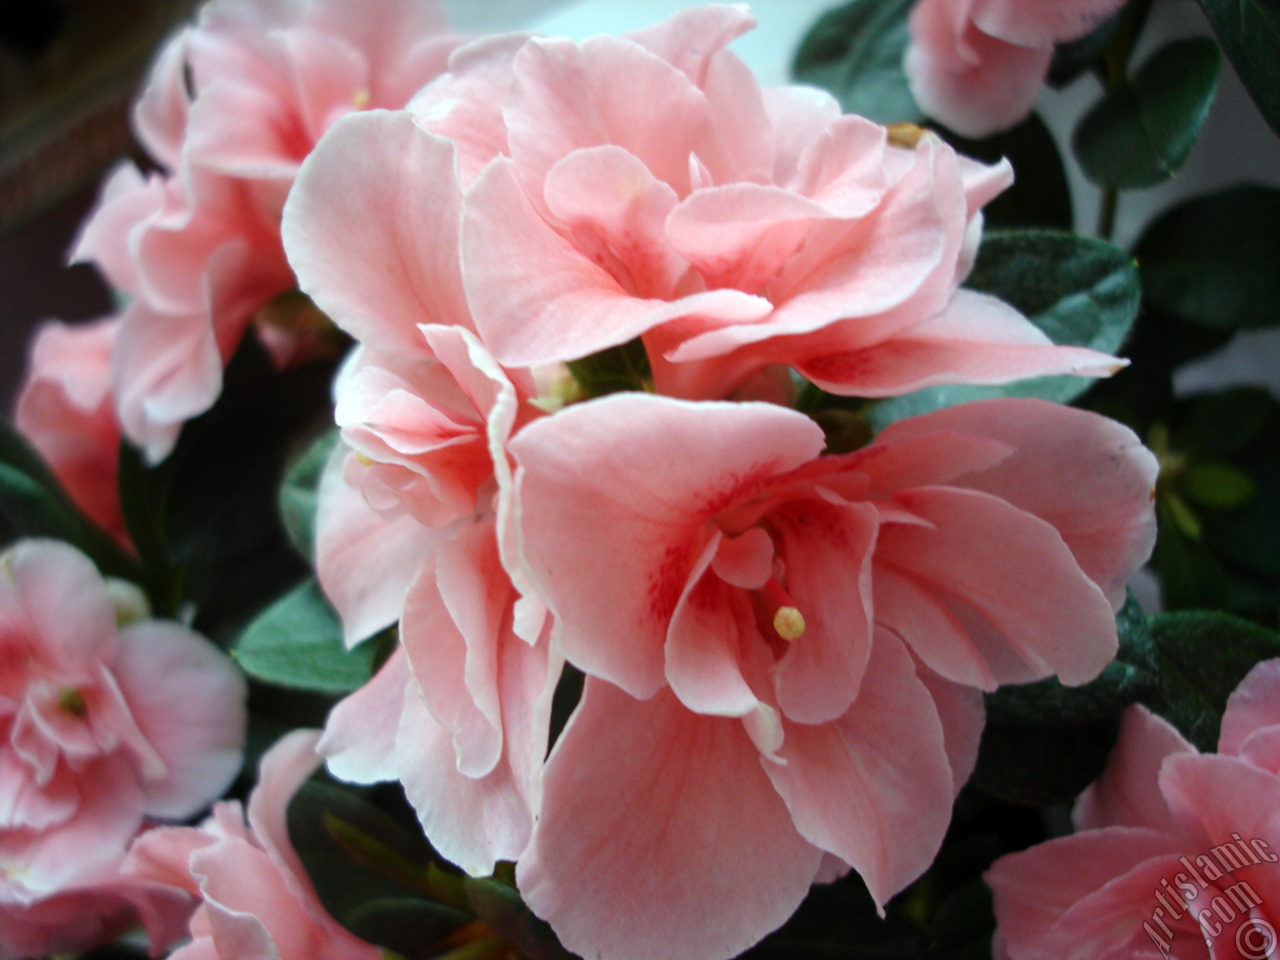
(379, 898)
(1212, 261)
(1216, 485)
(1202, 657)
(1141, 132)
(963, 927)
(613, 370)
(221, 489)
(1040, 196)
(1040, 766)
(1220, 425)
(297, 642)
(503, 912)
(300, 490)
(1079, 291)
(1190, 576)
(1250, 34)
(855, 51)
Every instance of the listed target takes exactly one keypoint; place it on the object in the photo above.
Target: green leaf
(371, 872)
(502, 911)
(1040, 196)
(33, 504)
(1201, 658)
(1141, 132)
(1212, 261)
(1072, 60)
(855, 51)
(1080, 292)
(1190, 576)
(297, 642)
(299, 492)
(614, 370)
(1216, 485)
(1249, 31)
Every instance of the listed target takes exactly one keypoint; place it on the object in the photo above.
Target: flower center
(71, 701)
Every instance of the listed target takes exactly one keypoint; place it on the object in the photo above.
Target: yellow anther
(789, 623)
(365, 461)
(360, 99)
(905, 135)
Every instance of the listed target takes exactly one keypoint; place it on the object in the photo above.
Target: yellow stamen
(360, 99)
(789, 623)
(905, 135)
(365, 461)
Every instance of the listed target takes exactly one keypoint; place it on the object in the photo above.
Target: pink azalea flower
(977, 65)
(232, 107)
(256, 900)
(101, 728)
(645, 186)
(784, 651)
(1176, 854)
(64, 409)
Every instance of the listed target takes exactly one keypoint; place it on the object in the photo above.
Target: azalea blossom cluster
(784, 651)
(783, 647)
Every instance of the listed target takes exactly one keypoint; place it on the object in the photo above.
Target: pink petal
(827, 548)
(330, 75)
(1037, 614)
(964, 715)
(975, 83)
(874, 786)
(617, 213)
(1253, 706)
(537, 299)
(64, 601)
(160, 116)
(164, 371)
(371, 228)
(455, 620)
(475, 822)
(1128, 794)
(798, 116)
(565, 98)
(1087, 475)
(709, 860)
(691, 40)
(364, 560)
(1041, 24)
(359, 740)
(703, 644)
(612, 485)
(977, 339)
(465, 104)
(188, 700)
(241, 130)
(1034, 889)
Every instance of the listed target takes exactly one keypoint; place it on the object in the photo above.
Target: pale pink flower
(233, 105)
(101, 728)
(646, 186)
(977, 65)
(1176, 854)
(256, 900)
(785, 651)
(64, 410)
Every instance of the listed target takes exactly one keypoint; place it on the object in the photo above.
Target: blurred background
(69, 70)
